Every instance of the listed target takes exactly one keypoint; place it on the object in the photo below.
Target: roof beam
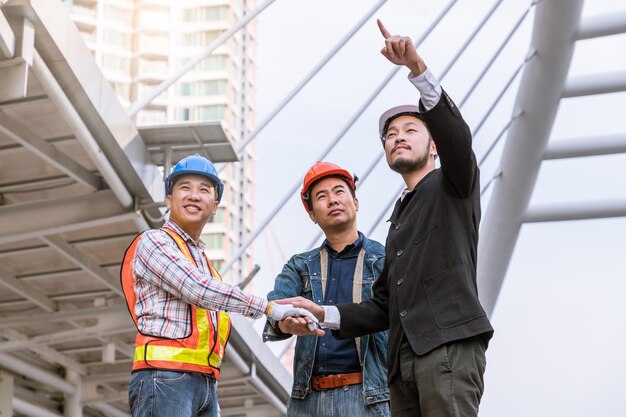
(58, 316)
(31, 371)
(22, 135)
(42, 218)
(587, 85)
(35, 183)
(538, 97)
(102, 328)
(575, 211)
(585, 146)
(25, 290)
(48, 353)
(85, 262)
(29, 409)
(7, 38)
(602, 25)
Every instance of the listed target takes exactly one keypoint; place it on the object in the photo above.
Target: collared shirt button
(400, 281)
(399, 252)
(403, 313)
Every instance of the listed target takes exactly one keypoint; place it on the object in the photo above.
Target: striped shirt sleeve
(163, 265)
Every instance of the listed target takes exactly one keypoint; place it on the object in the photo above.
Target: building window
(154, 42)
(217, 264)
(115, 38)
(182, 114)
(206, 113)
(218, 217)
(198, 38)
(152, 116)
(117, 14)
(211, 63)
(116, 63)
(215, 62)
(153, 66)
(154, 18)
(202, 88)
(213, 240)
(185, 89)
(204, 14)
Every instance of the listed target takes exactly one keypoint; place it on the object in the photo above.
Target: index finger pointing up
(383, 30)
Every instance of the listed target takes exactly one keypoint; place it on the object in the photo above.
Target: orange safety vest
(201, 351)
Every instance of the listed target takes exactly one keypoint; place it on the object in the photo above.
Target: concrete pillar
(73, 406)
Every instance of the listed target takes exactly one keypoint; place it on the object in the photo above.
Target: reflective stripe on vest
(201, 351)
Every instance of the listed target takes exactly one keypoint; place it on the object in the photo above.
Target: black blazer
(427, 290)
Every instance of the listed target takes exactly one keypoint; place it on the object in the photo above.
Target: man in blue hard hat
(179, 302)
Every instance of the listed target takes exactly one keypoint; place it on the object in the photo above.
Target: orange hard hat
(322, 170)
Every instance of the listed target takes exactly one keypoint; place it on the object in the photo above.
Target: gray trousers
(445, 382)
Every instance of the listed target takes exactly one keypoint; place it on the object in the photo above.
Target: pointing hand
(400, 51)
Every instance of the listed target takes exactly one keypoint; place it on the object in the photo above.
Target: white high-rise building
(139, 43)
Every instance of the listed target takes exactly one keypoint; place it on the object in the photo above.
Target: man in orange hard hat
(179, 302)
(341, 377)
(426, 295)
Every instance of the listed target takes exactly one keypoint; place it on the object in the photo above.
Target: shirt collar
(356, 245)
(172, 225)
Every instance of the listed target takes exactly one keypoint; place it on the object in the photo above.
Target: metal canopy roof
(207, 138)
(73, 169)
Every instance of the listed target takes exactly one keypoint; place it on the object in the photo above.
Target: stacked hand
(280, 312)
(298, 325)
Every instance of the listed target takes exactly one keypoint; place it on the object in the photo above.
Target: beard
(405, 165)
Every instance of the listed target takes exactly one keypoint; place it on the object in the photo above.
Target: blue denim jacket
(301, 276)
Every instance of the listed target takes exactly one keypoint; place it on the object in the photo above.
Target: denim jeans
(160, 393)
(339, 402)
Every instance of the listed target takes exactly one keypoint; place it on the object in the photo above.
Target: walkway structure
(78, 181)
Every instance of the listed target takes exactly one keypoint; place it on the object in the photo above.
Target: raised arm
(447, 127)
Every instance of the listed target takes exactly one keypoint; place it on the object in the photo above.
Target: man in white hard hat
(426, 295)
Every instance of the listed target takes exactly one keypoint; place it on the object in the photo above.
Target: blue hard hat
(196, 165)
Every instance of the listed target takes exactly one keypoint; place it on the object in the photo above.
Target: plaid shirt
(166, 283)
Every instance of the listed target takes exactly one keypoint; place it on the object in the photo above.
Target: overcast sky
(560, 327)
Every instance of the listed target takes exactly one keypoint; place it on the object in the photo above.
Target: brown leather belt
(336, 381)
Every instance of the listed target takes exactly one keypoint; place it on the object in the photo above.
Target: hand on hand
(400, 51)
(299, 327)
(278, 312)
(307, 304)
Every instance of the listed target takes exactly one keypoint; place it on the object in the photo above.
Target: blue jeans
(157, 393)
(345, 401)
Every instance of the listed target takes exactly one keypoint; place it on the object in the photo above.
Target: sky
(559, 320)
